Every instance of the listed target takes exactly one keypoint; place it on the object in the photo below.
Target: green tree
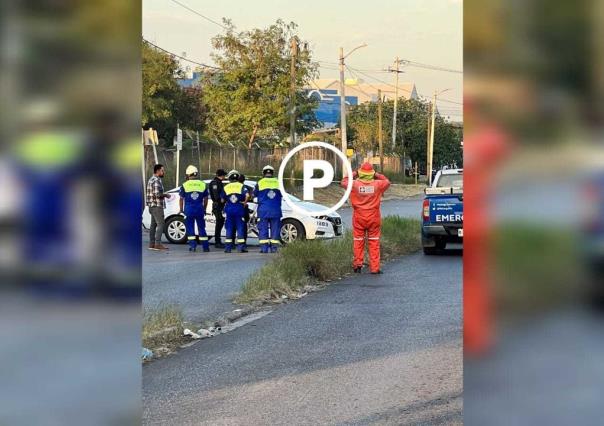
(165, 103)
(160, 89)
(249, 99)
(413, 117)
(363, 125)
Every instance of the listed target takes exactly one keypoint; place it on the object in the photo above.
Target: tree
(363, 127)
(165, 103)
(160, 89)
(248, 99)
(411, 131)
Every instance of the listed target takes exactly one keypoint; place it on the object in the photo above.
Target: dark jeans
(219, 225)
(157, 224)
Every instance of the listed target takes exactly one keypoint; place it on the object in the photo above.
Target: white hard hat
(268, 168)
(191, 170)
(232, 173)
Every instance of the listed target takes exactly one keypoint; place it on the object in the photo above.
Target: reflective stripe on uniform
(228, 240)
(191, 238)
(373, 238)
(240, 240)
(268, 183)
(233, 188)
(359, 239)
(194, 185)
(203, 238)
(275, 242)
(263, 241)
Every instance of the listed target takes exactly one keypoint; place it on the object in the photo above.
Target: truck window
(450, 181)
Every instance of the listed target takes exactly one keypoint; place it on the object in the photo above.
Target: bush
(305, 262)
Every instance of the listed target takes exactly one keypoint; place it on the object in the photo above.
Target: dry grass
(162, 326)
(308, 262)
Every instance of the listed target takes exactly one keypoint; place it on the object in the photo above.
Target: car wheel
(175, 231)
(292, 230)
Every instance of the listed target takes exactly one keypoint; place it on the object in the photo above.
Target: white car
(294, 226)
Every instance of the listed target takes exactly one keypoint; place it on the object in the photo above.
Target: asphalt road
(203, 284)
(367, 350)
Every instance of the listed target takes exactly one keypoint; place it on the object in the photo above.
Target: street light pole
(431, 143)
(343, 101)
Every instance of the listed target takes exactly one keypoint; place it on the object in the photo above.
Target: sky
(425, 31)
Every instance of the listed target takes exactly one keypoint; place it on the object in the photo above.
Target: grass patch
(306, 262)
(537, 267)
(162, 326)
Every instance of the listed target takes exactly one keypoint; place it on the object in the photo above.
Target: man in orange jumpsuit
(366, 196)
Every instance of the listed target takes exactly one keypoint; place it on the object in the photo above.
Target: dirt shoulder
(334, 193)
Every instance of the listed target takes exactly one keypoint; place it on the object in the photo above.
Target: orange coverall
(365, 198)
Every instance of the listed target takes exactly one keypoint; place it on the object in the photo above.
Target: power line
(400, 88)
(200, 14)
(180, 57)
(429, 67)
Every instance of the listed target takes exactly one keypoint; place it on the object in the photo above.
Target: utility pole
(428, 163)
(292, 92)
(431, 135)
(431, 152)
(396, 72)
(343, 107)
(198, 151)
(380, 138)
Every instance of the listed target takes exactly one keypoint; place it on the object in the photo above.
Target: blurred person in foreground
(156, 201)
(48, 164)
(269, 210)
(366, 197)
(193, 203)
(216, 187)
(485, 147)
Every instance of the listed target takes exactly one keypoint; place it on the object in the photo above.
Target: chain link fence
(209, 158)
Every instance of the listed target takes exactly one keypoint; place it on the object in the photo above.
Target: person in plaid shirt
(155, 200)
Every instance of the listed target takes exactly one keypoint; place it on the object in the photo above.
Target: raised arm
(383, 180)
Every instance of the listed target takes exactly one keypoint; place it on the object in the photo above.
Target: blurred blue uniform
(269, 213)
(195, 193)
(234, 194)
(49, 163)
(123, 220)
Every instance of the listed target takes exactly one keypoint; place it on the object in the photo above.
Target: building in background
(327, 92)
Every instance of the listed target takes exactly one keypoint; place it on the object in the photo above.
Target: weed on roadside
(306, 262)
(162, 325)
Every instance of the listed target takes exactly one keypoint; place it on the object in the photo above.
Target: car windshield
(450, 181)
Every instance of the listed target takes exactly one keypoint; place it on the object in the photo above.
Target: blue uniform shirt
(269, 198)
(234, 194)
(194, 192)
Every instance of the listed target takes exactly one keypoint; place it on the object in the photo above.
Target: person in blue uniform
(269, 210)
(194, 198)
(235, 196)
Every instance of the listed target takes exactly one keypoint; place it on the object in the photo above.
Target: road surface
(367, 350)
(203, 284)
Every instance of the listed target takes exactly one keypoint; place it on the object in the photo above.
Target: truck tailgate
(446, 209)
